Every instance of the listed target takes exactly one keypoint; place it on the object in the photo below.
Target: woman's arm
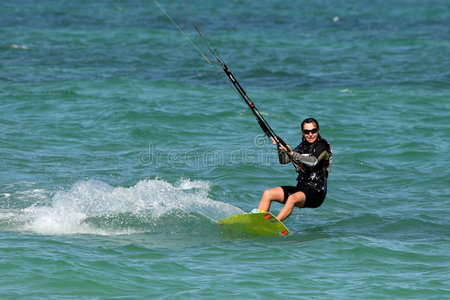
(320, 152)
(308, 159)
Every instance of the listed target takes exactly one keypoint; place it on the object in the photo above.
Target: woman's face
(310, 132)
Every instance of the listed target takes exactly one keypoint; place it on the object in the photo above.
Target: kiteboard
(262, 223)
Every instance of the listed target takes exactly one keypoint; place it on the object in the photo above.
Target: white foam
(90, 199)
(20, 47)
(187, 184)
(25, 191)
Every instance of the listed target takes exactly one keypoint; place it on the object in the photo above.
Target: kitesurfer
(312, 160)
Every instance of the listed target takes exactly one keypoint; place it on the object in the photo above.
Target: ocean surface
(121, 147)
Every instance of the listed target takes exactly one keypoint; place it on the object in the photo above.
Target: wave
(95, 207)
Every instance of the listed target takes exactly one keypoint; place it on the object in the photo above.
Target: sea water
(121, 148)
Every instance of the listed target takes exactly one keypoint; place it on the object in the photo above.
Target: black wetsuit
(313, 163)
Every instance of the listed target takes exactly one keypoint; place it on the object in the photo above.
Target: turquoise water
(120, 148)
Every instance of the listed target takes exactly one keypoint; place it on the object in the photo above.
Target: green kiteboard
(263, 223)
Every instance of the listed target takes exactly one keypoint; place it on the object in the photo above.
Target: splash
(94, 207)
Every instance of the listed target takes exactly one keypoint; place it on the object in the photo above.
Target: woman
(312, 160)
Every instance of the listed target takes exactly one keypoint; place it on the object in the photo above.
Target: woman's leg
(274, 194)
(297, 199)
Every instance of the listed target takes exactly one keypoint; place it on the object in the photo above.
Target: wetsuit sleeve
(283, 157)
(306, 159)
(321, 152)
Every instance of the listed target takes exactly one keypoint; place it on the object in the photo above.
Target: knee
(290, 200)
(266, 195)
(296, 200)
(269, 194)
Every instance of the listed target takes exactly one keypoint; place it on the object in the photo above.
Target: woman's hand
(281, 147)
(288, 150)
(274, 141)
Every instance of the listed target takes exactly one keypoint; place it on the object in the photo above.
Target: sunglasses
(313, 131)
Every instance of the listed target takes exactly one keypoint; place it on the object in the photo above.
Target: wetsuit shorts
(314, 198)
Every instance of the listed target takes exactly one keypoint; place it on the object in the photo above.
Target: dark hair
(310, 120)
